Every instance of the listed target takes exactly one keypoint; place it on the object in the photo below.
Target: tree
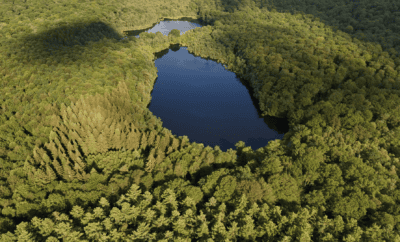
(143, 141)
(151, 138)
(174, 33)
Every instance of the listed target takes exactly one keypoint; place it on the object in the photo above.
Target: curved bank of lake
(199, 98)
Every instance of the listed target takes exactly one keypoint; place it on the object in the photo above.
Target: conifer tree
(160, 156)
(133, 139)
(51, 145)
(73, 154)
(157, 142)
(41, 178)
(80, 176)
(102, 144)
(30, 170)
(91, 144)
(58, 167)
(153, 151)
(75, 136)
(151, 138)
(164, 143)
(79, 163)
(68, 173)
(121, 135)
(110, 133)
(143, 141)
(151, 162)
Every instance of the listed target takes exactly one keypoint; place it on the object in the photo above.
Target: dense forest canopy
(82, 159)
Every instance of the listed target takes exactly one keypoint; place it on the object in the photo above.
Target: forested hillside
(83, 159)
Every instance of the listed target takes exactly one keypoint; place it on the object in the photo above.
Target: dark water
(199, 98)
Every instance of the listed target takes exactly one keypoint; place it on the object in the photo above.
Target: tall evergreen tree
(132, 140)
(151, 138)
(151, 162)
(157, 142)
(143, 141)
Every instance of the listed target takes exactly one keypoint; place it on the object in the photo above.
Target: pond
(165, 26)
(199, 98)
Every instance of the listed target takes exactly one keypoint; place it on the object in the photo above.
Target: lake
(199, 98)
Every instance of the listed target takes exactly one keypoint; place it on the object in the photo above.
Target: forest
(83, 159)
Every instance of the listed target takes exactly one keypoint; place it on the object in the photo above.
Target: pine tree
(68, 174)
(152, 151)
(157, 143)
(164, 143)
(62, 136)
(91, 144)
(160, 156)
(41, 178)
(77, 158)
(102, 144)
(51, 145)
(115, 137)
(75, 136)
(58, 167)
(133, 140)
(30, 169)
(71, 149)
(143, 142)
(151, 162)
(151, 139)
(124, 139)
(80, 176)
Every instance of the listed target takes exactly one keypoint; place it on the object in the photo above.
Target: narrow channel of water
(199, 98)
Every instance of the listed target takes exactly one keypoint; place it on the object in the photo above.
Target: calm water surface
(183, 24)
(199, 98)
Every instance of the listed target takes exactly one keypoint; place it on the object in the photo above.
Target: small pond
(165, 26)
(199, 98)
